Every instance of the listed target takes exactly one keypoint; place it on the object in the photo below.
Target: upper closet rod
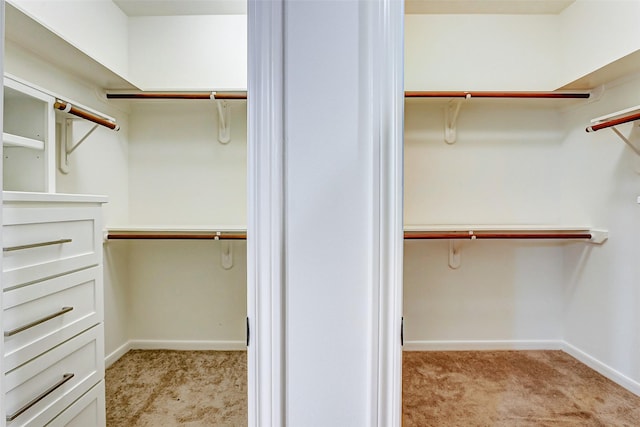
(68, 108)
(178, 95)
(614, 122)
(488, 94)
(496, 235)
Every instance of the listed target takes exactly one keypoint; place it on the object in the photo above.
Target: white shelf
(510, 231)
(26, 32)
(27, 196)
(11, 140)
(494, 227)
(178, 228)
(171, 232)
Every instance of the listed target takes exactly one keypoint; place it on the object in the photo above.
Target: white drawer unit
(44, 314)
(39, 390)
(87, 411)
(53, 310)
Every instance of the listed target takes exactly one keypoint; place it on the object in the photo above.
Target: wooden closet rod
(176, 236)
(614, 122)
(179, 95)
(487, 94)
(68, 108)
(495, 235)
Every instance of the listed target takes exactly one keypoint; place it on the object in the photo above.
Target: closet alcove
(496, 153)
(170, 311)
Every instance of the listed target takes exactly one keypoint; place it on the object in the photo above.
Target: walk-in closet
(127, 270)
(521, 213)
(170, 287)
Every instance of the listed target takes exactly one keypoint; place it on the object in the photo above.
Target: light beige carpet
(440, 389)
(511, 389)
(163, 388)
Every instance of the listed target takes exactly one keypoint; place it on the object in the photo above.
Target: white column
(2, 408)
(325, 301)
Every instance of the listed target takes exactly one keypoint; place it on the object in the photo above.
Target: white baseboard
(172, 345)
(117, 354)
(603, 369)
(476, 345)
(187, 345)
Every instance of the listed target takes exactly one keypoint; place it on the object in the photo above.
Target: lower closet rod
(176, 236)
(492, 235)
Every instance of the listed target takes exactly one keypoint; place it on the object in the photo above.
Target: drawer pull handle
(25, 408)
(37, 322)
(36, 245)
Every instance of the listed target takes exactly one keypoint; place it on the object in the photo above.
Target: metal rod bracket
(69, 146)
(454, 254)
(226, 254)
(224, 124)
(451, 119)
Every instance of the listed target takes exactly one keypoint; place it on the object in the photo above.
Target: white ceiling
(182, 7)
(511, 7)
(225, 7)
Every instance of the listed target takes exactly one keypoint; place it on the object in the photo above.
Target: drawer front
(41, 389)
(88, 411)
(49, 241)
(42, 315)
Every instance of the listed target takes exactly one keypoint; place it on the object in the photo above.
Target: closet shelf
(455, 233)
(176, 233)
(472, 232)
(27, 32)
(211, 95)
(11, 140)
(497, 94)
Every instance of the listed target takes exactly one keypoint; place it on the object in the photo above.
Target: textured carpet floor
(511, 388)
(163, 388)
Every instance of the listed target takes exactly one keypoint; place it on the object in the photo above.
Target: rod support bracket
(454, 254)
(451, 119)
(627, 140)
(226, 254)
(69, 146)
(224, 124)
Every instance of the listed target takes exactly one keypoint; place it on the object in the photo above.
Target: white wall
(602, 296)
(180, 175)
(189, 52)
(503, 169)
(179, 292)
(481, 52)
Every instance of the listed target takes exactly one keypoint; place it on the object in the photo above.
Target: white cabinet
(53, 309)
(28, 139)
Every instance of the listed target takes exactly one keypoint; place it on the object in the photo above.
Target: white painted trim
(182, 345)
(265, 213)
(603, 369)
(2, 409)
(187, 345)
(115, 355)
(477, 345)
(385, 33)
